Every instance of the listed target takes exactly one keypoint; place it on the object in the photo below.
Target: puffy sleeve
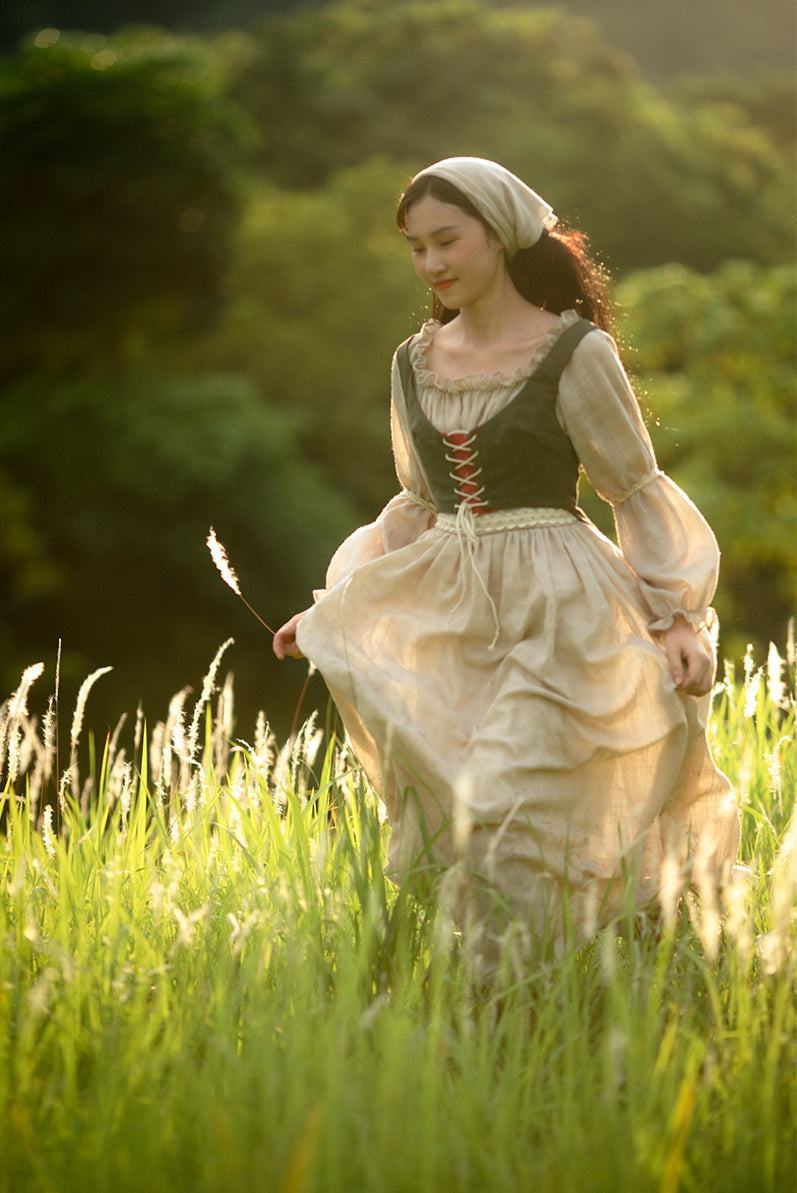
(662, 534)
(405, 517)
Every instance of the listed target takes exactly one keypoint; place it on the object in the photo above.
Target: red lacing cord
(465, 475)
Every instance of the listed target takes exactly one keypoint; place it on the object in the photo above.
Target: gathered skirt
(507, 700)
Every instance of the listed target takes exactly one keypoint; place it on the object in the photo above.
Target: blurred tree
(116, 198)
(651, 181)
(716, 356)
(767, 100)
(19, 17)
(321, 291)
(119, 485)
(664, 39)
(714, 35)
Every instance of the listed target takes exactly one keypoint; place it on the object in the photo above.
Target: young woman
(528, 700)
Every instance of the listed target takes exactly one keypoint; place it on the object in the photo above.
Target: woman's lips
(444, 285)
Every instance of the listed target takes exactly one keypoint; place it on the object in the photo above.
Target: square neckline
(538, 359)
(481, 382)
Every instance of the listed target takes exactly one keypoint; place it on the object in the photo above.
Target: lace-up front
(462, 453)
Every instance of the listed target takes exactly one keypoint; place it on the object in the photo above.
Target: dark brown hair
(556, 273)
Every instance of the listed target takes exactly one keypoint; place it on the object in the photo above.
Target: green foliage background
(202, 287)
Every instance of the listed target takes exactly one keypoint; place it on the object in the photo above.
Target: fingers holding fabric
(690, 657)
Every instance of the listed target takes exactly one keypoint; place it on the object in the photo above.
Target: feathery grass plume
(752, 684)
(784, 888)
(42, 769)
(204, 697)
(167, 744)
(777, 948)
(738, 911)
(28, 749)
(16, 709)
(118, 785)
(80, 704)
(175, 738)
(48, 737)
(223, 724)
(264, 740)
(304, 751)
(138, 732)
(281, 782)
(775, 684)
(113, 740)
(47, 831)
(705, 917)
(71, 775)
(219, 556)
(156, 743)
(260, 758)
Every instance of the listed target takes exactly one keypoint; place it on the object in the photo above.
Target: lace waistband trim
(502, 520)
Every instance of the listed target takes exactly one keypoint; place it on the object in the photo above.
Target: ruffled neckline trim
(479, 382)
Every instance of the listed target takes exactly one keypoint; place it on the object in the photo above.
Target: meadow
(207, 984)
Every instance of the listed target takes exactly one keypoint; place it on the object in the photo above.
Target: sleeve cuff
(702, 619)
(651, 476)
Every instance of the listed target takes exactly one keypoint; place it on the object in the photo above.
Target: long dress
(506, 692)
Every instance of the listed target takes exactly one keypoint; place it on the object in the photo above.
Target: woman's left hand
(691, 657)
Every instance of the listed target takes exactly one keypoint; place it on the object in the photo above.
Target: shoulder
(418, 340)
(594, 383)
(597, 350)
(409, 357)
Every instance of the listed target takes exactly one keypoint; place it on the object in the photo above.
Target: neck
(496, 317)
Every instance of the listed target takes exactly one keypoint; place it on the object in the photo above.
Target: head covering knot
(515, 212)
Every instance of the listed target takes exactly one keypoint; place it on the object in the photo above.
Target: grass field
(207, 985)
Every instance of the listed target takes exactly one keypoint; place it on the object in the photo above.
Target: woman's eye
(417, 250)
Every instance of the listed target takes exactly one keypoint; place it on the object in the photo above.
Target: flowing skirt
(508, 702)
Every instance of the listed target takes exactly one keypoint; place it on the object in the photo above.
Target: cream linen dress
(506, 693)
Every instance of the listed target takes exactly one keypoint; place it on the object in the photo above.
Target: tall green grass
(207, 984)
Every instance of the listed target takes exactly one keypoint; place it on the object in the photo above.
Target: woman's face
(453, 252)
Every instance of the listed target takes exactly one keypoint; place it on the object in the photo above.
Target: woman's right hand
(285, 638)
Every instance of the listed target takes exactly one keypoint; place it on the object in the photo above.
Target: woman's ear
(494, 242)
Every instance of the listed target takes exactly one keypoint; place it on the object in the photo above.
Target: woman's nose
(434, 261)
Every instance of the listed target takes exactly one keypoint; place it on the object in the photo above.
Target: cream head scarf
(517, 215)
